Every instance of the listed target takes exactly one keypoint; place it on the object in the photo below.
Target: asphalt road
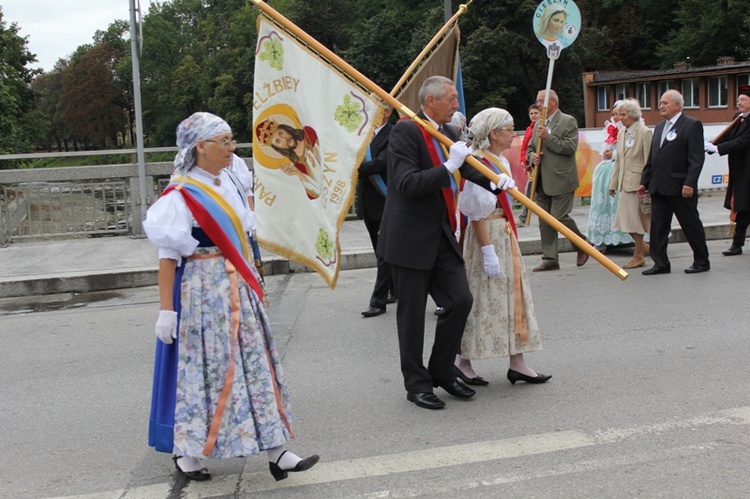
(649, 395)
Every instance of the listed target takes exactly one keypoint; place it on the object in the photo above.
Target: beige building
(710, 92)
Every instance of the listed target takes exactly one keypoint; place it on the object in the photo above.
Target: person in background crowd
(736, 143)
(534, 114)
(557, 177)
(373, 188)
(670, 176)
(633, 214)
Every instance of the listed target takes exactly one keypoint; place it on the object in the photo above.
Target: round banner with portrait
(556, 25)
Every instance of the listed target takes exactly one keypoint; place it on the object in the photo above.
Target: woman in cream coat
(633, 145)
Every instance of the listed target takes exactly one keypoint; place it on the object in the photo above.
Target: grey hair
(675, 97)
(552, 95)
(434, 86)
(632, 108)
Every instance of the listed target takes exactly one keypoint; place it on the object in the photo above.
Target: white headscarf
(483, 123)
(199, 126)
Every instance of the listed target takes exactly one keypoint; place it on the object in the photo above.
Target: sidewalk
(101, 263)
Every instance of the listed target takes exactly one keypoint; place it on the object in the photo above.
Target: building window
(643, 94)
(601, 99)
(691, 92)
(741, 80)
(665, 85)
(621, 92)
(717, 91)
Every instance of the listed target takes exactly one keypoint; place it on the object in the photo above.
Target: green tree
(17, 99)
(704, 30)
(90, 98)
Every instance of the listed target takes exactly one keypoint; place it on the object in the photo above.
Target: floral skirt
(256, 415)
(490, 329)
(603, 208)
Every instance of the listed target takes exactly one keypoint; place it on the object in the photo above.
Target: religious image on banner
(311, 129)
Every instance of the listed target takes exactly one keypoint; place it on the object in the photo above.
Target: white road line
(451, 456)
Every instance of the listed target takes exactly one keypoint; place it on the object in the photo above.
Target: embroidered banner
(311, 128)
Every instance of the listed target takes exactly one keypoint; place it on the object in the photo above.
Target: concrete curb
(139, 277)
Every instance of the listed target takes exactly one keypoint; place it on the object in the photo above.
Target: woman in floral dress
(219, 388)
(502, 322)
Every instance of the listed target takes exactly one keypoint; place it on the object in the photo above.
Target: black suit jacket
(736, 143)
(369, 201)
(678, 161)
(415, 215)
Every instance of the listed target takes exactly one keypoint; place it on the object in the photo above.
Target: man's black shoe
(455, 388)
(391, 298)
(373, 311)
(733, 250)
(656, 270)
(694, 269)
(428, 400)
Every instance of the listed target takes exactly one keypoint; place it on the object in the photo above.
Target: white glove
(491, 261)
(166, 326)
(459, 151)
(504, 183)
(710, 148)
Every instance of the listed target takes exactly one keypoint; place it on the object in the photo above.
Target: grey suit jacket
(558, 167)
(630, 161)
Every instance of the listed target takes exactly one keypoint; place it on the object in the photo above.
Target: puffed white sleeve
(239, 168)
(476, 202)
(169, 225)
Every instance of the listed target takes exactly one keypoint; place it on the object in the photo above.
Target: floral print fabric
(490, 329)
(252, 421)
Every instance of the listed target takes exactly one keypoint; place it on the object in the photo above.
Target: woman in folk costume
(219, 389)
(601, 232)
(502, 322)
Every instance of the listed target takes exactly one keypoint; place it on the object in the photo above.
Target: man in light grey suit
(557, 176)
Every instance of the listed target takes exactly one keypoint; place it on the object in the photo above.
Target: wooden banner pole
(405, 111)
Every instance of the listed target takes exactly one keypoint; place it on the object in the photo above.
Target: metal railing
(54, 209)
(80, 201)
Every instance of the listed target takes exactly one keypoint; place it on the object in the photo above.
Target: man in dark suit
(671, 177)
(370, 202)
(417, 237)
(736, 143)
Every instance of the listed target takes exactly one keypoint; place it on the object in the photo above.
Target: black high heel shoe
(514, 376)
(304, 465)
(199, 476)
(477, 380)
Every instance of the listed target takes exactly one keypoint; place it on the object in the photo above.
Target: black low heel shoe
(303, 465)
(514, 376)
(477, 380)
(199, 476)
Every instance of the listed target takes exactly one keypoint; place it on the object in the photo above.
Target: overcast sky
(55, 28)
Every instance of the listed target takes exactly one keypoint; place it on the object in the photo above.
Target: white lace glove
(459, 151)
(504, 183)
(491, 261)
(166, 326)
(709, 147)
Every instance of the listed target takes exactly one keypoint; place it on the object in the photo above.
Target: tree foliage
(198, 55)
(17, 100)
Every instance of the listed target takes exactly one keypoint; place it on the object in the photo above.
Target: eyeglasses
(226, 142)
(507, 128)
